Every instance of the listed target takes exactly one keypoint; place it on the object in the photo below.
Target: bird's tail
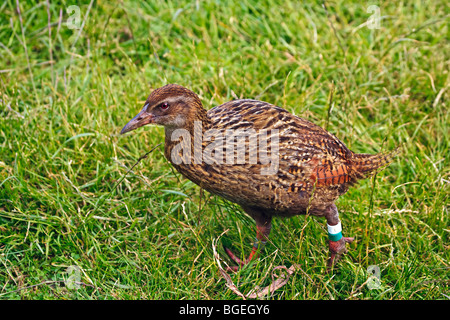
(365, 164)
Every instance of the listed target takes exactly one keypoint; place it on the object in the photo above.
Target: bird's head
(171, 106)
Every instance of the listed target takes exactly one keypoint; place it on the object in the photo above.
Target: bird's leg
(263, 226)
(336, 240)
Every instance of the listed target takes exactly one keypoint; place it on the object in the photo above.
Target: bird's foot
(337, 248)
(253, 255)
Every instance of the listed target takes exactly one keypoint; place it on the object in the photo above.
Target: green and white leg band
(335, 232)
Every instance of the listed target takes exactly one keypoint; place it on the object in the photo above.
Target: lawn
(78, 222)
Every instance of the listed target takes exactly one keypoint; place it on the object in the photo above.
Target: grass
(66, 93)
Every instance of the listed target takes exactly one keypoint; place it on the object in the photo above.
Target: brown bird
(260, 156)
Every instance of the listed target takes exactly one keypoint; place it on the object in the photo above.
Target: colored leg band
(335, 237)
(258, 242)
(335, 232)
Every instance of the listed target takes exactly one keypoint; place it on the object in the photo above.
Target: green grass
(65, 94)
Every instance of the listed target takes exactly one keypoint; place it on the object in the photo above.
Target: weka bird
(309, 168)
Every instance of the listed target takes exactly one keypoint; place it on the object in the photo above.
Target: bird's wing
(309, 155)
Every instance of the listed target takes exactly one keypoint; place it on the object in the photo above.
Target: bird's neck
(186, 136)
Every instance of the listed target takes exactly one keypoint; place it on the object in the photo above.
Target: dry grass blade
(256, 292)
(276, 284)
(121, 179)
(226, 276)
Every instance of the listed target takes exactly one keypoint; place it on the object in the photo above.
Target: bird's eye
(164, 106)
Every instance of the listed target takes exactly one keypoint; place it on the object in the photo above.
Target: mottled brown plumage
(313, 167)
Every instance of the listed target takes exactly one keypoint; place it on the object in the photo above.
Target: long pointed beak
(140, 120)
